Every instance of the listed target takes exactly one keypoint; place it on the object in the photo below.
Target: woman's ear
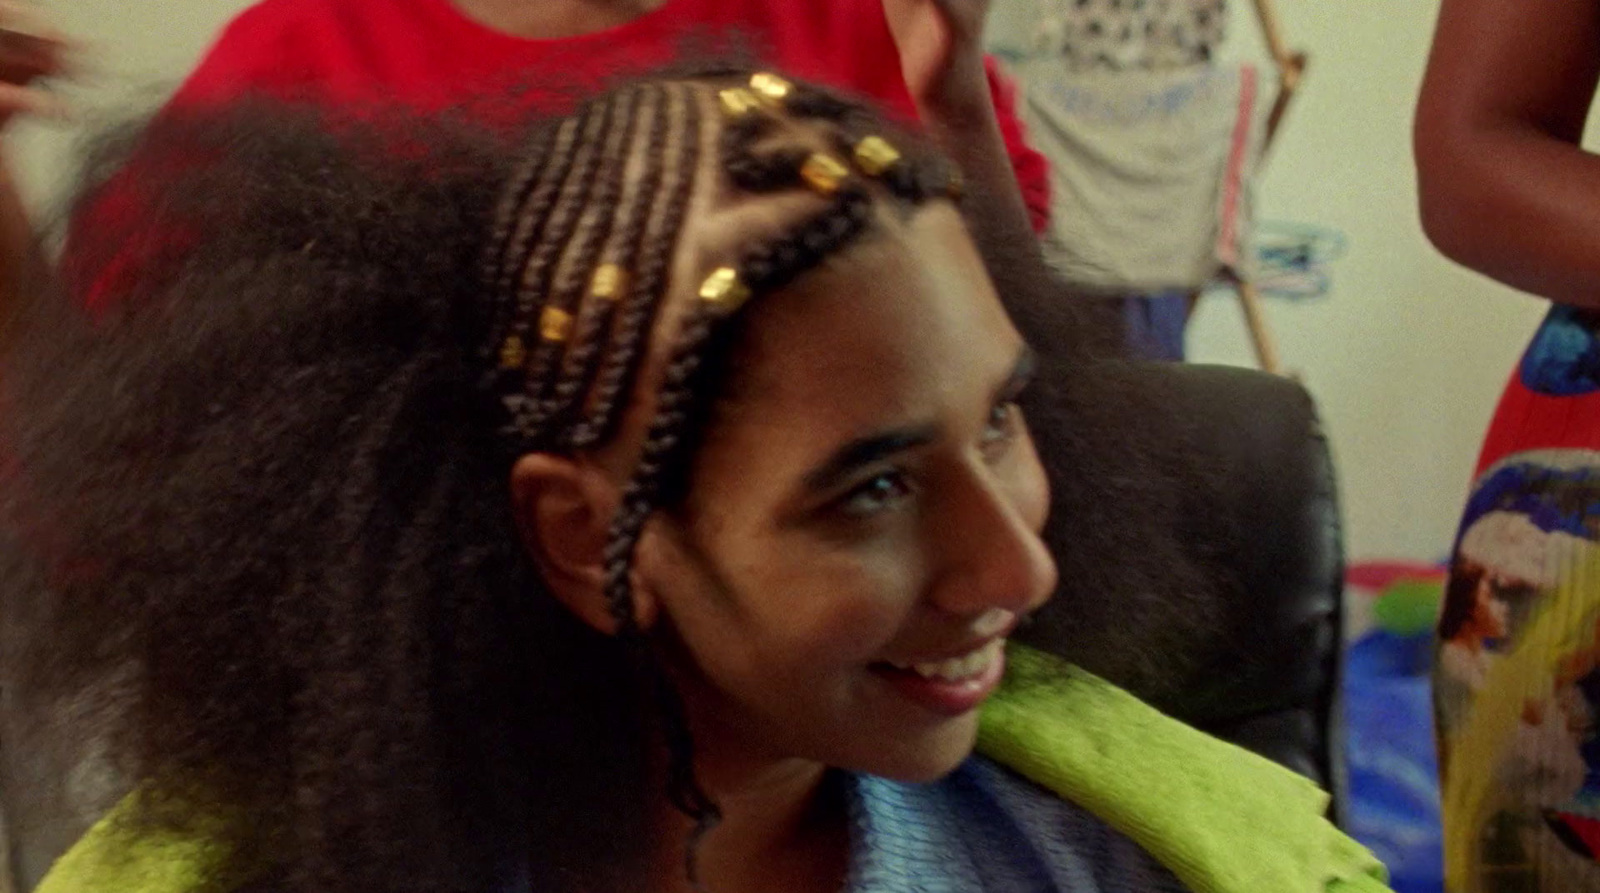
(564, 508)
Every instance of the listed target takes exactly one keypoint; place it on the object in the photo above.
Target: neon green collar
(1220, 818)
(111, 859)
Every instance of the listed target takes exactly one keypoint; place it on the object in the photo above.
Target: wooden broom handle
(1291, 65)
(1266, 347)
(1272, 31)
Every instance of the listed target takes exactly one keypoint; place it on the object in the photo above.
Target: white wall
(1406, 356)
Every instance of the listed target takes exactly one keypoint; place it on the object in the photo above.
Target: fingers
(968, 12)
(19, 100)
(31, 50)
(25, 58)
(30, 47)
(28, 18)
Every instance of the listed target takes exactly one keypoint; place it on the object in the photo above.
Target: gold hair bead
(724, 291)
(555, 324)
(874, 155)
(770, 87)
(513, 353)
(824, 173)
(608, 283)
(738, 102)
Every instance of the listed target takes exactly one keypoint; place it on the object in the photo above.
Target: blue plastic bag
(1393, 766)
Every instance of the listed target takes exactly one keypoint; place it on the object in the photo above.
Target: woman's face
(863, 526)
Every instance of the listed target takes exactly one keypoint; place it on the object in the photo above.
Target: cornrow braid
(508, 224)
(537, 284)
(532, 195)
(609, 286)
(679, 139)
(778, 169)
(912, 182)
(683, 395)
(685, 399)
(574, 280)
(635, 291)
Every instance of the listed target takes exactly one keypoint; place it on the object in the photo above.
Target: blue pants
(1154, 324)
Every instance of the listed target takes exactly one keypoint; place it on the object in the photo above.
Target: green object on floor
(1409, 606)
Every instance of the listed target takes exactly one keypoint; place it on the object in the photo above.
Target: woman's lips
(950, 687)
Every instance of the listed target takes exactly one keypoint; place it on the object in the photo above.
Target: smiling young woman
(648, 510)
(718, 423)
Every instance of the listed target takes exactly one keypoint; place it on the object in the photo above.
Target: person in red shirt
(500, 60)
(915, 58)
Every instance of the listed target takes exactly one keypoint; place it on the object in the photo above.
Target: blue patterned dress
(1517, 682)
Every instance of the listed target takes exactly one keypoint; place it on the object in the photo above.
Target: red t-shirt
(427, 54)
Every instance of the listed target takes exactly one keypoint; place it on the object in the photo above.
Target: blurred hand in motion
(31, 53)
(941, 51)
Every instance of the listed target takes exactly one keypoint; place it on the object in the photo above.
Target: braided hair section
(652, 239)
(519, 223)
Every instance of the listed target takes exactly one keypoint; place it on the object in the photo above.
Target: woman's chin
(928, 755)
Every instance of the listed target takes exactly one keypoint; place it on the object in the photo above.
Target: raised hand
(31, 51)
(941, 49)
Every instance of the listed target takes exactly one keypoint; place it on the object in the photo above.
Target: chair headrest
(1249, 649)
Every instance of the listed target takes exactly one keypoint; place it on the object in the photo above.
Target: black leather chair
(1281, 697)
(1259, 668)
(1262, 668)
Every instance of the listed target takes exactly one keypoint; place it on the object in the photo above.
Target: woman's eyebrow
(877, 447)
(865, 451)
(1021, 375)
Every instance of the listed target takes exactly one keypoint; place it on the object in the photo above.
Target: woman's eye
(1004, 423)
(874, 495)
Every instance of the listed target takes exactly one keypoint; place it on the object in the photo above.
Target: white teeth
(958, 669)
(992, 622)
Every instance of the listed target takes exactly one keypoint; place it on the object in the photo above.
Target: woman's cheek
(849, 610)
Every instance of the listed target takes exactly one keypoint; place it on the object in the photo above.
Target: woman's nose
(994, 557)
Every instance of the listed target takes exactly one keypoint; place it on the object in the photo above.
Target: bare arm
(970, 134)
(941, 53)
(1505, 188)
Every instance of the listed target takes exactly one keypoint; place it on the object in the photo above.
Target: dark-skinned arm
(1505, 188)
(941, 54)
